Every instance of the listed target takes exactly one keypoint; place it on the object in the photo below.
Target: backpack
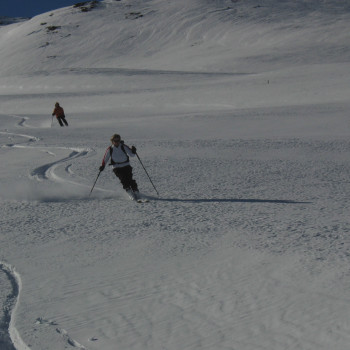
(123, 149)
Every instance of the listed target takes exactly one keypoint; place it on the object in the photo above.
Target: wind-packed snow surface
(240, 114)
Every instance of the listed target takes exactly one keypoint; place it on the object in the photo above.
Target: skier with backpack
(119, 154)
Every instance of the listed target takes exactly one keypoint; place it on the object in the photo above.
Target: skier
(59, 113)
(119, 154)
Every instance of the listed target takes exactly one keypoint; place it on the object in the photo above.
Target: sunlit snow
(240, 114)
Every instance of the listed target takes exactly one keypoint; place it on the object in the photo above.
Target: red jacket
(58, 112)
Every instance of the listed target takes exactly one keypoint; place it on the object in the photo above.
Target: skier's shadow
(229, 200)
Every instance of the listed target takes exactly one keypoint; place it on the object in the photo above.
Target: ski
(136, 197)
(139, 198)
(142, 200)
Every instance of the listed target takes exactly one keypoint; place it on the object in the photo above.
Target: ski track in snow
(48, 171)
(9, 308)
(44, 172)
(11, 134)
(251, 296)
(65, 336)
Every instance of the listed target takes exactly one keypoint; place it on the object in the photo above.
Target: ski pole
(95, 182)
(147, 174)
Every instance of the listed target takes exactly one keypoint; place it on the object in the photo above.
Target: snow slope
(240, 114)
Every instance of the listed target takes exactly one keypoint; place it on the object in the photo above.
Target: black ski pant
(124, 174)
(62, 119)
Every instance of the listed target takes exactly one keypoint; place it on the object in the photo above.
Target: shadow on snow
(229, 200)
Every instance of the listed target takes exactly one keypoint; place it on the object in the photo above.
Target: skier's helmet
(115, 137)
(57, 104)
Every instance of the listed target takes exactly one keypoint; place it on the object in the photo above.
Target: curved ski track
(44, 172)
(10, 307)
(47, 171)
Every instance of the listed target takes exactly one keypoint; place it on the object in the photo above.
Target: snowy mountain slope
(240, 113)
(197, 35)
(130, 41)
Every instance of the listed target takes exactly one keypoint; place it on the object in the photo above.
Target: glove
(133, 149)
(102, 167)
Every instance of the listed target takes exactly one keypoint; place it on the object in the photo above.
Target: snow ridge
(4, 21)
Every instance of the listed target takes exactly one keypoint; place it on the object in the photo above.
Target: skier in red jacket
(59, 113)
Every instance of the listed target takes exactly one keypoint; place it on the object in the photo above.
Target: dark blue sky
(31, 8)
